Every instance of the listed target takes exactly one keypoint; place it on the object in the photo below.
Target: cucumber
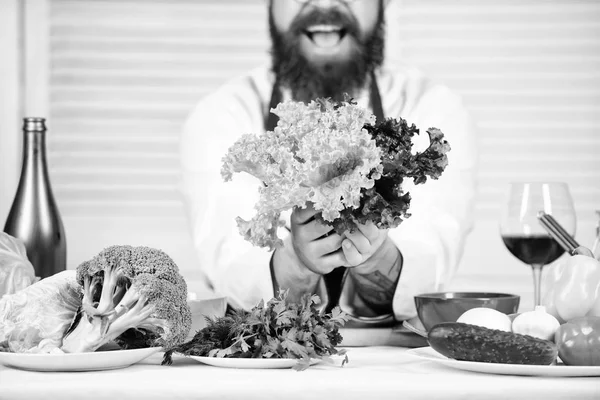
(475, 343)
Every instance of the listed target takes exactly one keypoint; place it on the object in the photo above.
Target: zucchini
(468, 342)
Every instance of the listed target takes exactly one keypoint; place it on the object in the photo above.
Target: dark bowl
(435, 308)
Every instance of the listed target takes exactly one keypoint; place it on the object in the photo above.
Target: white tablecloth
(373, 373)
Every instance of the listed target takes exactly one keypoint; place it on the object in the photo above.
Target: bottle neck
(34, 153)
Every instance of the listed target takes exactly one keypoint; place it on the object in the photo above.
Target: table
(379, 372)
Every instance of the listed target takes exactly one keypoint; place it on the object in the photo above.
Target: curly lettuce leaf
(386, 204)
(318, 153)
(334, 156)
(261, 230)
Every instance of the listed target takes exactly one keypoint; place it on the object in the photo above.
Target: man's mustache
(318, 17)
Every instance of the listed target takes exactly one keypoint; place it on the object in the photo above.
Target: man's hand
(311, 251)
(375, 264)
(314, 249)
(361, 247)
(315, 244)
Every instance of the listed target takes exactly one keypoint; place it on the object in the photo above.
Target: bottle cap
(34, 124)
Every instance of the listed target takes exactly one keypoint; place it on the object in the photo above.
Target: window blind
(528, 72)
(124, 74)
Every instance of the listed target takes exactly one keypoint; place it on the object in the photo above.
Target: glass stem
(537, 284)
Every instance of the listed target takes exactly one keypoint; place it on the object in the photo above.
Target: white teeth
(323, 28)
(325, 39)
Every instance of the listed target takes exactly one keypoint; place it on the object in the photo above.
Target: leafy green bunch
(278, 329)
(386, 204)
(335, 156)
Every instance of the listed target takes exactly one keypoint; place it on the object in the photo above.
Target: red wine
(533, 249)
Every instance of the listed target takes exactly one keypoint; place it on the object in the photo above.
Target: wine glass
(522, 232)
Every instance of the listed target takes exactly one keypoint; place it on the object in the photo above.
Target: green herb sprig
(280, 329)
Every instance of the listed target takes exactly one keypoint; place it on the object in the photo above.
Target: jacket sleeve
(231, 266)
(433, 238)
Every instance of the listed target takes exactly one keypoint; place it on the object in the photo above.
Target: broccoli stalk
(107, 322)
(130, 299)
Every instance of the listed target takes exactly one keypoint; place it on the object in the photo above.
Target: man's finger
(369, 230)
(316, 229)
(351, 253)
(303, 215)
(331, 261)
(360, 241)
(310, 231)
(372, 233)
(327, 245)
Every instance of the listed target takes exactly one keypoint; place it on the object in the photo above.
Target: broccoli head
(134, 296)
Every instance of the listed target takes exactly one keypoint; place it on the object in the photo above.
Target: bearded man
(327, 48)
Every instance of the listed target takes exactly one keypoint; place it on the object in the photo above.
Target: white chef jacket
(431, 240)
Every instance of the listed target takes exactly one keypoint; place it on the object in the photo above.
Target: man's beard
(335, 78)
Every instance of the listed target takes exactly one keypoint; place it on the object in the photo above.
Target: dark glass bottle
(34, 217)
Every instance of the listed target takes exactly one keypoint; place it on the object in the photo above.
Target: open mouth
(325, 35)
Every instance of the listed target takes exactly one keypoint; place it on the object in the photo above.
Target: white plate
(99, 360)
(430, 354)
(251, 363)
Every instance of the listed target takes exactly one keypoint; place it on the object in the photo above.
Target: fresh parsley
(277, 329)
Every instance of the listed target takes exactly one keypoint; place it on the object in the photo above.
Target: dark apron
(334, 279)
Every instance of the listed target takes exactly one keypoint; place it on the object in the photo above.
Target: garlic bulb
(537, 323)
